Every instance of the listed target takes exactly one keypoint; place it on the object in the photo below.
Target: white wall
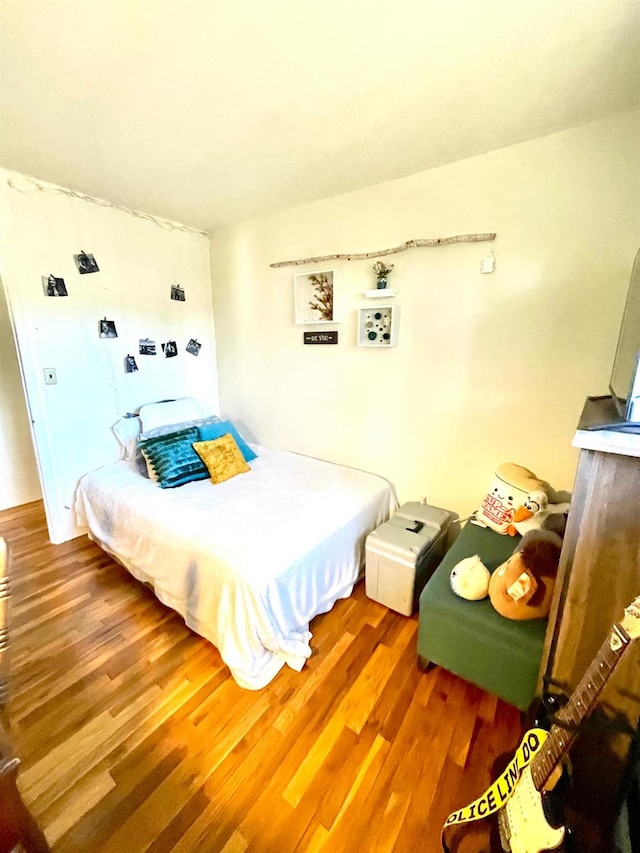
(139, 260)
(19, 482)
(489, 368)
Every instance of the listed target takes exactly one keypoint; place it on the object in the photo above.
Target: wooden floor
(134, 737)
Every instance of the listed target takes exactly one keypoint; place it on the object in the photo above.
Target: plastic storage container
(402, 554)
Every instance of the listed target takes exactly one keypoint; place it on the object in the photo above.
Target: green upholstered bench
(472, 640)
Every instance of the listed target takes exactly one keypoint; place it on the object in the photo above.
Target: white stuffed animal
(470, 579)
(533, 512)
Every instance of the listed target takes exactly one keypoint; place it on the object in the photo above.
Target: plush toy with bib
(522, 588)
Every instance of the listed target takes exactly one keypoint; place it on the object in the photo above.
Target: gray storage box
(403, 553)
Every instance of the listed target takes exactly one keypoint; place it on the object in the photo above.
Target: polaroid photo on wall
(54, 286)
(193, 347)
(146, 346)
(177, 293)
(86, 263)
(170, 349)
(107, 328)
(130, 365)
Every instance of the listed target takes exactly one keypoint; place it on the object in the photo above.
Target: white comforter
(249, 562)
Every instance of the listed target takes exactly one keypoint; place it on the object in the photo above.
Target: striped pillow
(171, 459)
(141, 463)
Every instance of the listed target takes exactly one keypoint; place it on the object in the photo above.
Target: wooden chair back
(18, 828)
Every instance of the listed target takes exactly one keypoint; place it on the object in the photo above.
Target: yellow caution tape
(495, 797)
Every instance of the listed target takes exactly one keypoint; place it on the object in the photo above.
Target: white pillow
(127, 431)
(155, 415)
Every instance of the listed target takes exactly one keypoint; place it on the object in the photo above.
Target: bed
(246, 562)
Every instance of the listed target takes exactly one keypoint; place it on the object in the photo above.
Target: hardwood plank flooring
(134, 737)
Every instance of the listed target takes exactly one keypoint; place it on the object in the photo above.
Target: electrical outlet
(50, 376)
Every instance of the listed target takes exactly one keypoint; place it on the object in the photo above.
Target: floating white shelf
(382, 292)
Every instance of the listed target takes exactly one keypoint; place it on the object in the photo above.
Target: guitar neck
(579, 706)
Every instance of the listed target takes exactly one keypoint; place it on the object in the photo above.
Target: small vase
(381, 283)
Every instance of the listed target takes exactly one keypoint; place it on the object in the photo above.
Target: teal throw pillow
(171, 459)
(209, 432)
(141, 462)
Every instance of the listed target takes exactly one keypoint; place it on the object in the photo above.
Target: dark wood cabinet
(599, 576)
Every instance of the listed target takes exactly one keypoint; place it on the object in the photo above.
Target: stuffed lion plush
(522, 588)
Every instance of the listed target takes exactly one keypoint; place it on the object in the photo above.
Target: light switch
(50, 376)
(488, 265)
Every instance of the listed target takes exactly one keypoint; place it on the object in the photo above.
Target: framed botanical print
(315, 296)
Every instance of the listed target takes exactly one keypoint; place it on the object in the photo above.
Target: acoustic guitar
(519, 795)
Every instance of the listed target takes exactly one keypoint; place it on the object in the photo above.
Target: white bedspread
(249, 562)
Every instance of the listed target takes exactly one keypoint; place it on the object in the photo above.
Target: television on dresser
(620, 409)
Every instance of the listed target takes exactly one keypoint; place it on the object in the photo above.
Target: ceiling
(212, 111)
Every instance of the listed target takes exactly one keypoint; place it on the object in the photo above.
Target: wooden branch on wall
(410, 244)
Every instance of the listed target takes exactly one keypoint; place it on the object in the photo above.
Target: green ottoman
(472, 640)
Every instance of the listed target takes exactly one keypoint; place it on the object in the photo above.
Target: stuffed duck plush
(534, 513)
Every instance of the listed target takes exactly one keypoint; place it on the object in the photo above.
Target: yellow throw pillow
(223, 458)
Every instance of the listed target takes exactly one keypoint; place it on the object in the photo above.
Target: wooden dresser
(599, 576)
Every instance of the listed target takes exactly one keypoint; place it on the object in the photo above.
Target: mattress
(249, 562)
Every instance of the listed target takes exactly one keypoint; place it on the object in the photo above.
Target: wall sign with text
(320, 337)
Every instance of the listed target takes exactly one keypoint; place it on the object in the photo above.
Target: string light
(166, 224)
